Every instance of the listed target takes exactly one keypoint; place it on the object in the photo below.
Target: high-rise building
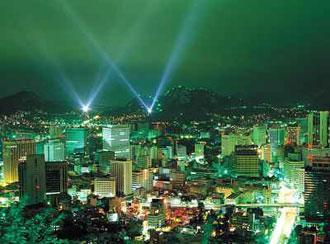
(168, 152)
(177, 178)
(105, 187)
(32, 179)
(137, 179)
(181, 151)
(56, 178)
(54, 150)
(317, 189)
(259, 135)
(230, 141)
(104, 157)
(318, 129)
(293, 169)
(156, 217)
(303, 124)
(247, 161)
(116, 138)
(147, 179)
(155, 153)
(122, 171)
(293, 135)
(15, 152)
(276, 140)
(143, 161)
(55, 131)
(75, 140)
(199, 149)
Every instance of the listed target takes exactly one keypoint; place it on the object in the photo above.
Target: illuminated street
(286, 219)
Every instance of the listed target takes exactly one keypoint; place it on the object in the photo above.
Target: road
(286, 220)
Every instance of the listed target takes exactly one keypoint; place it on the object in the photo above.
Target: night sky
(242, 47)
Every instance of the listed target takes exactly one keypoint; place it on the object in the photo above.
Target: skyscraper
(247, 161)
(54, 150)
(32, 179)
(116, 138)
(259, 135)
(156, 217)
(199, 149)
(15, 152)
(318, 129)
(122, 171)
(293, 169)
(56, 178)
(75, 139)
(230, 141)
(317, 188)
(276, 139)
(105, 187)
(293, 135)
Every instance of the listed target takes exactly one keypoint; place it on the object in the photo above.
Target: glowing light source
(185, 33)
(149, 110)
(99, 50)
(85, 108)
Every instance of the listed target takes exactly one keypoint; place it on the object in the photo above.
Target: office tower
(259, 135)
(317, 189)
(56, 178)
(199, 149)
(55, 131)
(230, 141)
(54, 150)
(155, 153)
(247, 161)
(143, 161)
(276, 139)
(266, 153)
(177, 178)
(103, 157)
(181, 151)
(136, 149)
(137, 179)
(293, 135)
(147, 179)
(76, 140)
(156, 217)
(122, 171)
(105, 187)
(168, 152)
(116, 138)
(142, 178)
(318, 129)
(303, 124)
(32, 179)
(293, 167)
(276, 136)
(15, 152)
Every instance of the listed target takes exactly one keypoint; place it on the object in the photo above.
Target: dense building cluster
(231, 179)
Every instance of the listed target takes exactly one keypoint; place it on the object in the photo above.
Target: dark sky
(240, 47)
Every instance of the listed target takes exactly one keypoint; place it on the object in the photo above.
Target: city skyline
(164, 121)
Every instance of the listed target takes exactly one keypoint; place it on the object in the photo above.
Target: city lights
(85, 108)
(95, 44)
(217, 151)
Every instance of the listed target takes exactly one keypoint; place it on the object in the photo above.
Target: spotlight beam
(99, 50)
(185, 33)
(59, 70)
(50, 58)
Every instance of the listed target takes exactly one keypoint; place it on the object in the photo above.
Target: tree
(16, 228)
